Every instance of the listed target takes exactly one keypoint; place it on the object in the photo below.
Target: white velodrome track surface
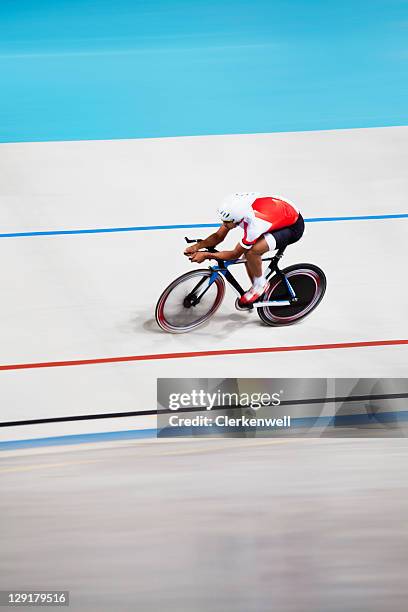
(93, 295)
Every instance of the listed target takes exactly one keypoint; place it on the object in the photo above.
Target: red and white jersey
(267, 215)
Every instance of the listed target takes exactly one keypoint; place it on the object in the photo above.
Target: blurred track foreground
(221, 525)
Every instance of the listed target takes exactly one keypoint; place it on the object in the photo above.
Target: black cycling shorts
(289, 235)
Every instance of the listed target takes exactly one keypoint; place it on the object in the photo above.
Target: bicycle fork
(192, 299)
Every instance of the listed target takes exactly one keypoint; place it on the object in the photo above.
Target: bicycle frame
(222, 268)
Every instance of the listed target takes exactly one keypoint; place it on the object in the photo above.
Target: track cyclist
(269, 223)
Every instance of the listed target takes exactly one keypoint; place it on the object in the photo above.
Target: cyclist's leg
(254, 258)
(254, 269)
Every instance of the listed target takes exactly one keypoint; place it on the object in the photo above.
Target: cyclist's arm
(214, 238)
(227, 255)
(209, 242)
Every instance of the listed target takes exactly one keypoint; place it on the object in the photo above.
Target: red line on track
(243, 351)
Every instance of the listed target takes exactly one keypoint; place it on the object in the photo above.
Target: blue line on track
(344, 420)
(357, 218)
(104, 436)
(145, 228)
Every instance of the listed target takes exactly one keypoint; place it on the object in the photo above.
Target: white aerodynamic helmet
(237, 206)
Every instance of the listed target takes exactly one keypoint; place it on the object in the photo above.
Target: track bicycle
(193, 298)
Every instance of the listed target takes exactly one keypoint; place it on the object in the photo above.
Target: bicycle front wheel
(189, 301)
(309, 284)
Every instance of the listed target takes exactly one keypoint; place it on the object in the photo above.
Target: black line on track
(137, 413)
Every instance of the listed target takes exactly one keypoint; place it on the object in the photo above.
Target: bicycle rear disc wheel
(309, 283)
(175, 312)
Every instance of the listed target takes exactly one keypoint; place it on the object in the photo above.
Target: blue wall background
(75, 69)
